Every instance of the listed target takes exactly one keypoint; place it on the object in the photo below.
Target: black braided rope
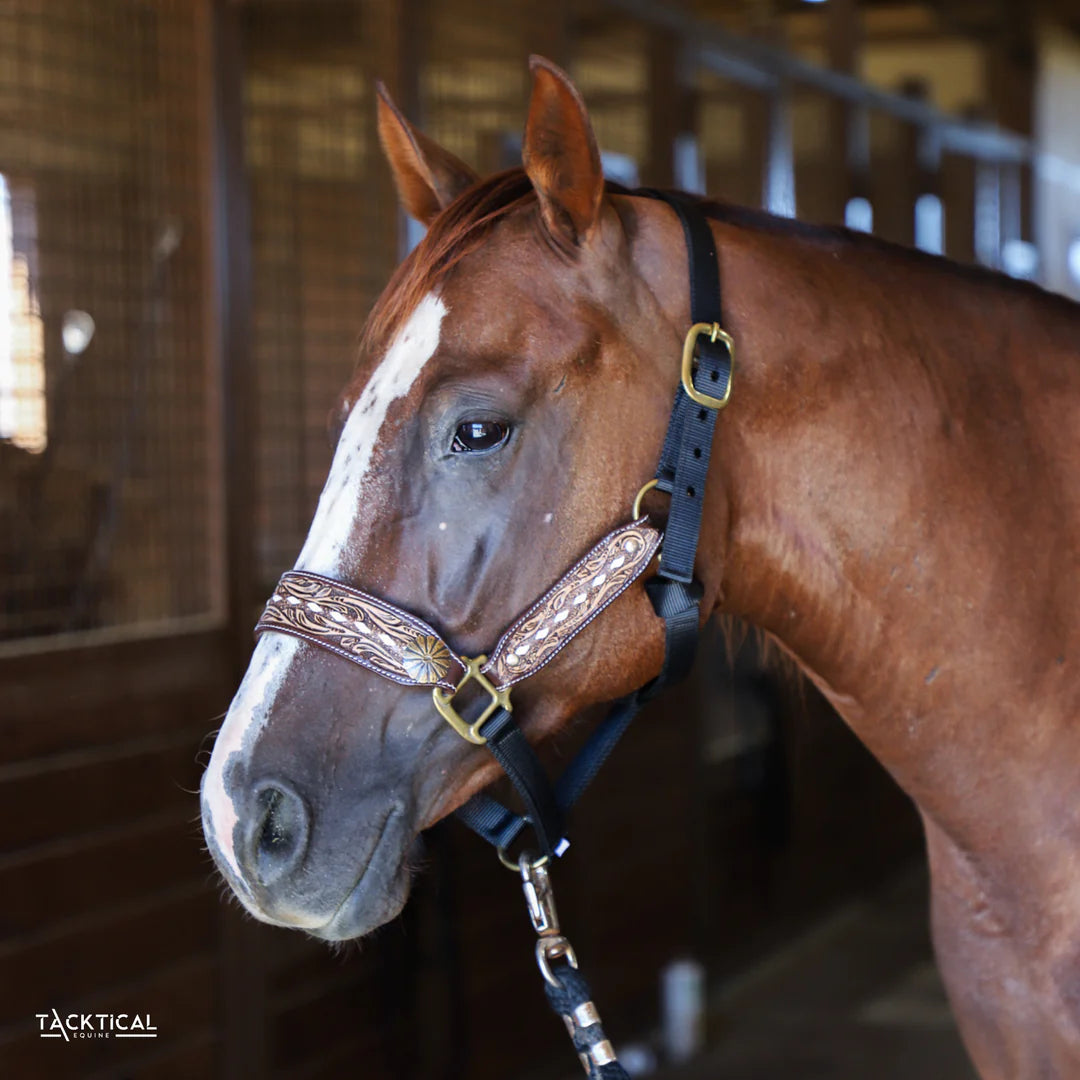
(571, 993)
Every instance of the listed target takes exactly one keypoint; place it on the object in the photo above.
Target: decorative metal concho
(405, 649)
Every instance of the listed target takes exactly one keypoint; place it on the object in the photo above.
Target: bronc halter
(406, 650)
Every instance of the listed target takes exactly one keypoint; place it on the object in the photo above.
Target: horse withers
(894, 499)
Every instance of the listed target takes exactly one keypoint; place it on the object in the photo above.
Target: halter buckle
(444, 701)
(689, 345)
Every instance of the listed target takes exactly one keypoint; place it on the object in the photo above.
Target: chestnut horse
(894, 498)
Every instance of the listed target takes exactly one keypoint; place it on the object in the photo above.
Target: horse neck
(872, 479)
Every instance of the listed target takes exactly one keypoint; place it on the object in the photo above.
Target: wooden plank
(81, 793)
(843, 33)
(247, 948)
(304, 1031)
(342, 1057)
(317, 971)
(195, 1057)
(76, 681)
(241, 1017)
(958, 191)
(668, 112)
(233, 284)
(102, 726)
(74, 960)
(180, 1000)
(61, 881)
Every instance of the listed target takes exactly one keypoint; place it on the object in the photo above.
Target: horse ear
(428, 178)
(560, 154)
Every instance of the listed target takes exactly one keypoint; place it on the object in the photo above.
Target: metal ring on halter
(645, 489)
(516, 866)
(554, 947)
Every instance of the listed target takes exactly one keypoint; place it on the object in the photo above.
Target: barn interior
(195, 218)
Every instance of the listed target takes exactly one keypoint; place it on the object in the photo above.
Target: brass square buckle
(689, 345)
(444, 701)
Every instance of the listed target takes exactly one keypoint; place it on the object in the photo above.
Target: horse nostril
(280, 832)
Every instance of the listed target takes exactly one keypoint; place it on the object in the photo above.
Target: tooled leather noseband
(403, 648)
(400, 647)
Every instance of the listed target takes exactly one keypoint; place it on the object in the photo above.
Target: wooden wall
(106, 902)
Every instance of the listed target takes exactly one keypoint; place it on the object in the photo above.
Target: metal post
(988, 214)
(778, 195)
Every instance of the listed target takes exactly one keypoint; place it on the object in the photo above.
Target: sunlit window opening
(930, 224)
(22, 341)
(859, 214)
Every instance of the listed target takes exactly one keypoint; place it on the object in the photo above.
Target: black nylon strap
(519, 761)
(491, 821)
(679, 605)
(684, 459)
(500, 826)
(581, 772)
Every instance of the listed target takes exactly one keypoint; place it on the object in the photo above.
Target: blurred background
(194, 220)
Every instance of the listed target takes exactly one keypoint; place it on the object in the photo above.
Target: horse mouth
(380, 890)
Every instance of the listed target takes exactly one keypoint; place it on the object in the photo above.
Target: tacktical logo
(95, 1026)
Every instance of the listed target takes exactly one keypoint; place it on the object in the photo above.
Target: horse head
(510, 399)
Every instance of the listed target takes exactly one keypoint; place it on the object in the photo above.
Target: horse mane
(455, 233)
(463, 226)
(762, 221)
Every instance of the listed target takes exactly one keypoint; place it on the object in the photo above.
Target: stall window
(22, 345)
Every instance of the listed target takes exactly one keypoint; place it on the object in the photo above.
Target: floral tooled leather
(370, 632)
(401, 647)
(572, 603)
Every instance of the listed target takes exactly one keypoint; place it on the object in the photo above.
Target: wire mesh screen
(610, 67)
(732, 125)
(324, 239)
(325, 231)
(106, 501)
(474, 81)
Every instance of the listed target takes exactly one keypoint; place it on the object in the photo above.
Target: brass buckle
(443, 701)
(715, 332)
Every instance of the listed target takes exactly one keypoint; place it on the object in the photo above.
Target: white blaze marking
(339, 503)
(270, 664)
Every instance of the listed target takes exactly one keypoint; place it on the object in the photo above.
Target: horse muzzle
(336, 872)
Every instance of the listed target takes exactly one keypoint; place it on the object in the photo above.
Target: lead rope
(567, 991)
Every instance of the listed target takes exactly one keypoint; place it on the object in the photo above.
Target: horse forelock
(457, 232)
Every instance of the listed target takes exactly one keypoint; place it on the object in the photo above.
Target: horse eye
(475, 436)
